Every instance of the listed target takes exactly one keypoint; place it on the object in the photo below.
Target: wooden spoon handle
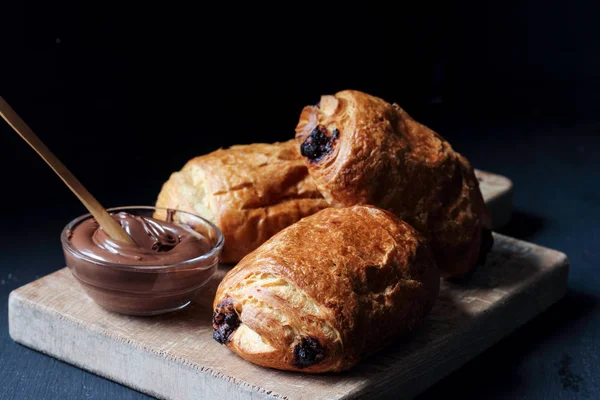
(110, 226)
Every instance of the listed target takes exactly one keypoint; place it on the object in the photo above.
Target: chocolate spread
(145, 278)
(156, 242)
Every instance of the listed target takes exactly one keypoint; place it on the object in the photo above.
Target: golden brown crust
(250, 192)
(327, 291)
(360, 149)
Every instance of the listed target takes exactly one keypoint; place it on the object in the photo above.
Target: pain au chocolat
(249, 191)
(360, 149)
(327, 291)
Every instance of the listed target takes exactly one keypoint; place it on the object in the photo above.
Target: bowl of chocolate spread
(174, 255)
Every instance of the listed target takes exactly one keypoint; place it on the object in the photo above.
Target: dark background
(126, 94)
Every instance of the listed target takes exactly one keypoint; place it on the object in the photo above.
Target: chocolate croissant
(327, 291)
(250, 192)
(359, 149)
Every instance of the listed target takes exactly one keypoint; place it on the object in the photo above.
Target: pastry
(327, 291)
(359, 149)
(250, 192)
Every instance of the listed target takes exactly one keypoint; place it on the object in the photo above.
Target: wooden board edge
(139, 368)
(500, 203)
(189, 380)
(506, 182)
(501, 207)
(547, 290)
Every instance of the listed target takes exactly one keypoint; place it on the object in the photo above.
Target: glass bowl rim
(76, 253)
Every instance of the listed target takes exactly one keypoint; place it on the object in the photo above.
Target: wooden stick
(110, 226)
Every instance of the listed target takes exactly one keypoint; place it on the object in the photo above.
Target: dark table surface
(555, 167)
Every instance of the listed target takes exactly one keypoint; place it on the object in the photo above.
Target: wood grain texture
(173, 356)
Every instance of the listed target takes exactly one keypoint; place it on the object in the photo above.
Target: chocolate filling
(308, 352)
(225, 321)
(317, 144)
(487, 241)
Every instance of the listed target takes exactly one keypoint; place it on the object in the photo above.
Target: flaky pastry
(250, 192)
(360, 149)
(327, 291)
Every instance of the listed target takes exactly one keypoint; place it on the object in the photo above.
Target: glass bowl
(147, 289)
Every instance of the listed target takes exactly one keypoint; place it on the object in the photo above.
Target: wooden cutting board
(497, 191)
(173, 356)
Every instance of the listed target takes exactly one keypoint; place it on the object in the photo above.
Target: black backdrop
(126, 94)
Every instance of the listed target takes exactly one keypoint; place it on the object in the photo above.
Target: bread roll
(327, 291)
(360, 149)
(250, 192)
